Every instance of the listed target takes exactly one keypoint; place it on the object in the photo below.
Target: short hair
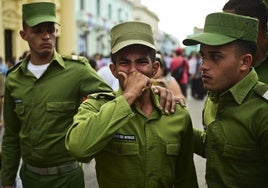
(244, 47)
(253, 8)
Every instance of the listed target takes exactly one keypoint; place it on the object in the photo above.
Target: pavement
(195, 109)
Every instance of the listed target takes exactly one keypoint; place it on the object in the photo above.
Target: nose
(45, 35)
(204, 65)
(133, 67)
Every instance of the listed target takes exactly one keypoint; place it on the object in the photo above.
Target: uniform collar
(55, 59)
(240, 90)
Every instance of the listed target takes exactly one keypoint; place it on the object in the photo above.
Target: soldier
(256, 9)
(42, 94)
(235, 136)
(134, 143)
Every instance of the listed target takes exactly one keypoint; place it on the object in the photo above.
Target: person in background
(164, 79)
(3, 67)
(105, 73)
(197, 90)
(134, 143)
(256, 9)
(10, 63)
(42, 93)
(235, 136)
(179, 61)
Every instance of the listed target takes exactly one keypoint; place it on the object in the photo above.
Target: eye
(143, 62)
(123, 62)
(51, 30)
(215, 56)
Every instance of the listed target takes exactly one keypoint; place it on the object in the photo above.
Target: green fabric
(129, 33)
(261, 68)
(237, 136)
(221, 28)
(130, 149)
(36, 13)
(72, 179)
(38, 112)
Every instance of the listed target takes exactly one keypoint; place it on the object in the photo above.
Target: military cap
(129, 33)
(36, 13)
(221, 28)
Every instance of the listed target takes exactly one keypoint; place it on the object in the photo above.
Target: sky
(179, 17)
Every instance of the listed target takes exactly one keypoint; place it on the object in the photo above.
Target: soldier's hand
(133, 84)
(168, 100)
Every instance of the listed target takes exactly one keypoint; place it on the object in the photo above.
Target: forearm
(199, 142)
(94, 127)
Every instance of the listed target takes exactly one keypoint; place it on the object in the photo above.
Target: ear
(113, 69)
(156, 65)
(246, 61)
(23, 34)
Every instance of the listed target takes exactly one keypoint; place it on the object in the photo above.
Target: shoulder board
(75, 58)
(262, 90)
(14, 66)
(109, 96)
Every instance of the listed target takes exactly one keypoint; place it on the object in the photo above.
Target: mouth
(46, 45)
(205, 77)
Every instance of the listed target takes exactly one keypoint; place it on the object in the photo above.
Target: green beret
(36, 13)
(221, 28)
(129, 33)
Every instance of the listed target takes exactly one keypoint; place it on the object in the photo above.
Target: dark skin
(132, 72)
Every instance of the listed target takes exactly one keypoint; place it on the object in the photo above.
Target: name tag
(124, 137)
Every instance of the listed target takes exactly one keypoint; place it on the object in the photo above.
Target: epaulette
(262, 90)
(76, 58)
(14, 67)
(108, 96)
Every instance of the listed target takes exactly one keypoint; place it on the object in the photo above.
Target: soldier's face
(41, 38)
(223, 66)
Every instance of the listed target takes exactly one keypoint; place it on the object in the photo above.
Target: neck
(40, 59)
(145, 105)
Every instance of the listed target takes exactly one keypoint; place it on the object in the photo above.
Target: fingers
(180, 100)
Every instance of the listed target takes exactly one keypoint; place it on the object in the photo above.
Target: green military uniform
(38, 112)
(130, 149)
(262, 69)
(236, 136)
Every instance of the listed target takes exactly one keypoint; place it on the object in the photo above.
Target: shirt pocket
(20, 111)
(119, 155)
(62, 106)
(59, 116)
(245, 165)
(172, 151)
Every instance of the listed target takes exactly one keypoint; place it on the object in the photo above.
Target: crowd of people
(128, 113)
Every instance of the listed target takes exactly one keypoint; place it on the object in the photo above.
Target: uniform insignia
(75, 58)
(262, 90)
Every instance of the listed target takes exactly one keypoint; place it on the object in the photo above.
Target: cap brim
(38, 20)
(123, 44)
(208, 39)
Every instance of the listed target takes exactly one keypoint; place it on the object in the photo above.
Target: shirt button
(151, 148)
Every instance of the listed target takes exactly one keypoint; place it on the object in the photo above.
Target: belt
(51, 170)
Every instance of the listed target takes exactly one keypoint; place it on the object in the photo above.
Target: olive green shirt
(235, 141)
(262, 69)
(38, 112)
(130, 149)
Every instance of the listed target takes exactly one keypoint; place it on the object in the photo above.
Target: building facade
(84, 25)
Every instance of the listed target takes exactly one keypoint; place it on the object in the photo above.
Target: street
(195, 109)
